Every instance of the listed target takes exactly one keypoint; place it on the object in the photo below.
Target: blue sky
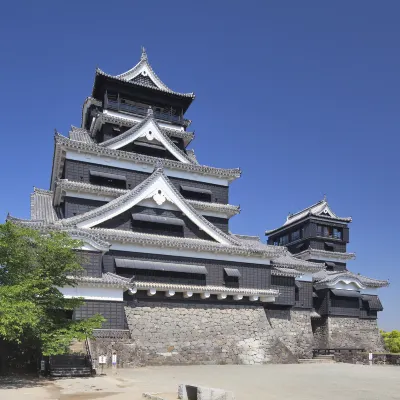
(303, 96)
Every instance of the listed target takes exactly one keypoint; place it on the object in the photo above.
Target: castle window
(158, 224)
(296, 293)
(329, 246)
(283, 240)
(330, 266)
(231, 277)
(328, 231)
(105, 179)
(194, 193)
(295, 235)
(337, 233)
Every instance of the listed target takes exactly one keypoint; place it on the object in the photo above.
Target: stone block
(192, 392)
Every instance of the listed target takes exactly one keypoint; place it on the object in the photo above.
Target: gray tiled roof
(107, 279)
(65, 184)
(208, 288)
(135, 128)
(125, 120)
(42, 205)
(329, 277)
(100, 72)
(289, 261)
(80, 134)
(190, 154)
(63, 144)
(280, 271)
(321, 209)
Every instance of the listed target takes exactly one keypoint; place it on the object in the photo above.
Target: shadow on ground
(22, 381)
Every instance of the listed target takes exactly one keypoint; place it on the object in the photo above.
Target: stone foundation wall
(200, 334)
(293, 327)
(363, 358)
(354, 332)
(125, 349)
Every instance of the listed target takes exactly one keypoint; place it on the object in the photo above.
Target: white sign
(370, 357)
(102, 359)
(114, 359)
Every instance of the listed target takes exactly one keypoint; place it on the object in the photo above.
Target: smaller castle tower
(345, 304)
(316, 234)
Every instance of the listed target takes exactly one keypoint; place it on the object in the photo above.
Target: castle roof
(326, 278)
(320, 209)
(150, 130)
(42, 205)
(126, 120)
(158, 188)
(63, 144)
(142, 75)
(63, 185)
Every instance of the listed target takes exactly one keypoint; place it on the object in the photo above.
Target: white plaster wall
(93, 293)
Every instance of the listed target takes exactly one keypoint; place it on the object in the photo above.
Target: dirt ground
(297, 382)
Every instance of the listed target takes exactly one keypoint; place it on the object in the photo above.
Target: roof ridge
(291, 215)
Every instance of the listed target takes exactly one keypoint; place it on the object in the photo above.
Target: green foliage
(392, 341)
(32, 266)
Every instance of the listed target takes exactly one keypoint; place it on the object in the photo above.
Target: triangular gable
(325, 211)
(158, 188)
(149, 130)
(143, 69)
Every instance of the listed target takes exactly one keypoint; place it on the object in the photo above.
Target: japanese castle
(174, 284)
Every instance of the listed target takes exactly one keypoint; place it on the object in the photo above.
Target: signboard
(114, 359)
(42, 365)
(102, 359)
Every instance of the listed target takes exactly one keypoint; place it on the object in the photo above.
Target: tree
(32, 266)
(392, 341)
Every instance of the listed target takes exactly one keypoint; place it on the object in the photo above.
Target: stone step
(324, 357)
(316, 361)
(70, 371)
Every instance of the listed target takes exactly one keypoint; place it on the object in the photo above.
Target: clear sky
(303, 96)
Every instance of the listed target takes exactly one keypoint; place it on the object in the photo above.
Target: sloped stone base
(293, 327)
(199, 334)
(354, 332)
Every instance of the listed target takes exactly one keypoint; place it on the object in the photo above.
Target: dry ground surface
(297, 382)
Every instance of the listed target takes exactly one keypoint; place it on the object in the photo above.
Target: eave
(64, 185)
(323, 254)
(263, 295)
(126, 120)
(183, 99)
(64, 144)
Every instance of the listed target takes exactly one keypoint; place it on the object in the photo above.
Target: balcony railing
(334, 235)
(113, 102)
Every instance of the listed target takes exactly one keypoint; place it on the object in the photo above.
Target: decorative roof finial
(150, 111)
(325, 199)
(144, 54)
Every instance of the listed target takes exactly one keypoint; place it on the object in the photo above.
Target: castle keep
(160, 262)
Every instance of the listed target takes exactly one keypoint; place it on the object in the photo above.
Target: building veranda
(161, 264)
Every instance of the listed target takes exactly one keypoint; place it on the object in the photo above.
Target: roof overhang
(64, 187)
(262, 295)
(64, 145)
(324, 255)
(103, 81)
(114, 117)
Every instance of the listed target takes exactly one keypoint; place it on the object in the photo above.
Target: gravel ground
(297, 382)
